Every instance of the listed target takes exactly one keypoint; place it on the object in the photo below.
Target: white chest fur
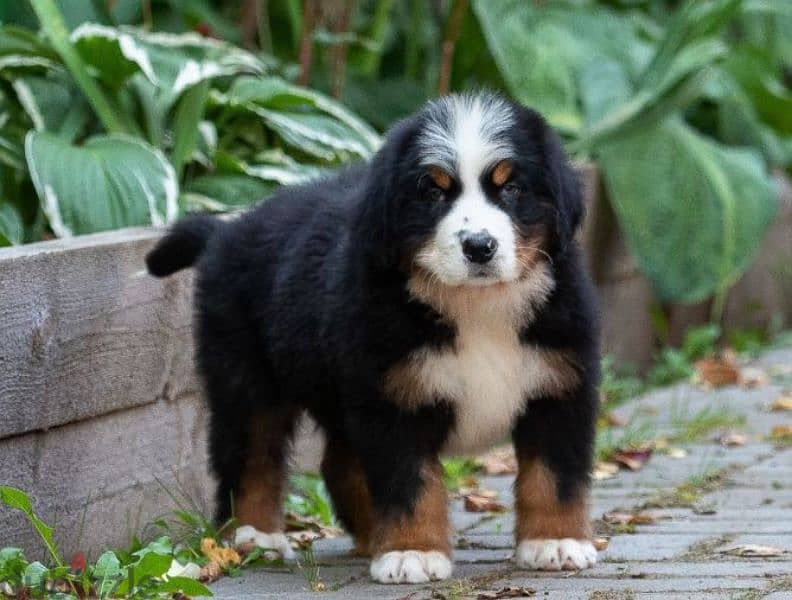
(488, 375)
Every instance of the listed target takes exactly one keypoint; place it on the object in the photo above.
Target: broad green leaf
(22, 50)
(152, 564)
(107, 573)
(683, 81)
(123, 182)
(185, 585)
(542, 50)
(229, 190)
(276, 93)
(35, 575)
(315, 134)
(693, 211)
(172, 63)
(48, 101)
(188, 114)
(11, 230)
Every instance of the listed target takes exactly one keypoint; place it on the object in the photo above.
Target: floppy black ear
(564, 185)
(385, 184)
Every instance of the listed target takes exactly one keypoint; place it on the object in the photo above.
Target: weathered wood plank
(83, 331)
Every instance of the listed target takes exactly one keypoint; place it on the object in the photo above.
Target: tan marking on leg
(427, 528)
(346, 483)
(540, 514)
(501, 172)
(258, 501)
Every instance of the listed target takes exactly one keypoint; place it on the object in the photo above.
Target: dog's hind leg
(346, 482)
(249, 444)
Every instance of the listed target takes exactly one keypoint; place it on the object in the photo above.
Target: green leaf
(108, 572)
(230, 190)
(123, 182)
(15, 498)
(520, 35)
(23, 51)
(185, 585)
(48, 101)
(152, 564)
(35, 575)
(189, 112)
(11, 230)
(276, 93)
(693, 211)
(172, 63)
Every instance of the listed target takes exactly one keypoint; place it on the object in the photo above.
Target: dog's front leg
(554, 442)
(410, 538)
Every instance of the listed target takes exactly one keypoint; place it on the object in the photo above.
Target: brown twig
(249, 15)
(340, 50)
(457, 13)
(310, 16)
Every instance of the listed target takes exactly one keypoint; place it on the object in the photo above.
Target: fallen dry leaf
(507, 592)
(221, 555)
(783, 402)
(753, 550)
(751, 377)
(483, 501)
(733, 439)
(210, 572)
(718, 371)
(619, 518)
(297, 523)
(633, 459)
(500, 461)
(616, 420)
(600, 543)
(781, 431)
(676, 452)
(604, 470)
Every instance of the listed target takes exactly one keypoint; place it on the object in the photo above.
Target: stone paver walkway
(734, 496)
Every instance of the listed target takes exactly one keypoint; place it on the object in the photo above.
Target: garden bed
(102, 418)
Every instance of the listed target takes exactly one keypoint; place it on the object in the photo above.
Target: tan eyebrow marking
(440, 177)
(501, 172)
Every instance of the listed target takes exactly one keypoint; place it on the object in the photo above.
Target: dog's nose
(479, 247)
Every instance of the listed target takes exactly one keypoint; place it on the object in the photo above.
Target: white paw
(554, 555)
(247, 534)
(410, 566)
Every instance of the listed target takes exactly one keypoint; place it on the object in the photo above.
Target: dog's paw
(410, 566)
(247, 536)
(554, 555)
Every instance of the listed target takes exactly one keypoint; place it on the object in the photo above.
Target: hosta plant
(106, 127)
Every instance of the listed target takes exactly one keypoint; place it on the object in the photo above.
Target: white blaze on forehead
(466, 135)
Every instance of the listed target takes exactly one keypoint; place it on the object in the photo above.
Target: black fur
(302, 305)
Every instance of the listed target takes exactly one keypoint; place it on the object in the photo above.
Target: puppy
(430, 302)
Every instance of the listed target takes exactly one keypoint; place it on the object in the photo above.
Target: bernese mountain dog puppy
(430, 302)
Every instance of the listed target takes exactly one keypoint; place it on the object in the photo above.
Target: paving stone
(642, 546)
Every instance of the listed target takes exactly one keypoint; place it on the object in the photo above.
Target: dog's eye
(510, 191)
(435, 194)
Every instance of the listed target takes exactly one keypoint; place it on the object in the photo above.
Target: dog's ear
(564, 184)
(559, 181)
(385, 183)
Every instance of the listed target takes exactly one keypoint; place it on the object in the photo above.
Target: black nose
(479, 247)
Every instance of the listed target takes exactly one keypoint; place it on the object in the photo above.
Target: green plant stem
(53, 25)
(412, 49)
(370, 61)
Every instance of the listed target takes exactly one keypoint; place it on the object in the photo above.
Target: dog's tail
(182, 245)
